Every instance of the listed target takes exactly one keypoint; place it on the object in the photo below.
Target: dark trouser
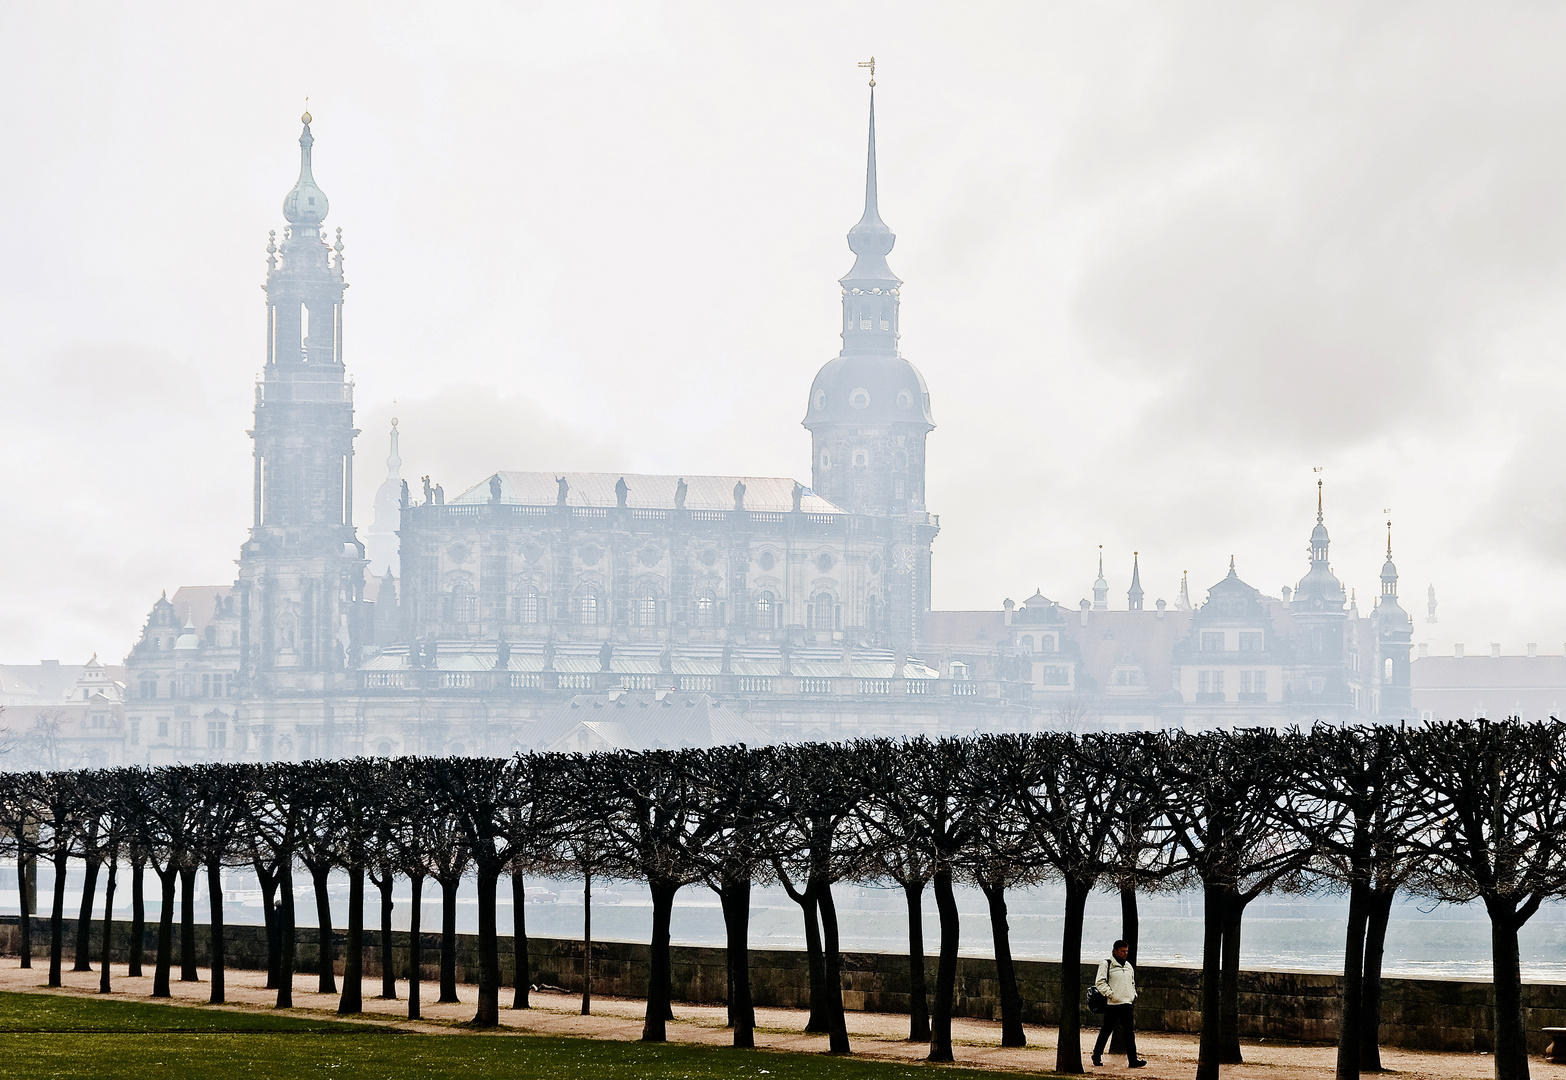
(1117, 1016)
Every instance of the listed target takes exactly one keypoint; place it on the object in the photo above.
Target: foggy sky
(1161, 262)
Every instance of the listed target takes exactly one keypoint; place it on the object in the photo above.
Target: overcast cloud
(1162, 261)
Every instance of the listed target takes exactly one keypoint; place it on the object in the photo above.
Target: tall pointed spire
(1134, 594)
(1101, 587)
(1184, 603)
(1389, 570)
(870, 239)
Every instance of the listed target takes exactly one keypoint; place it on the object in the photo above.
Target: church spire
(1389, 570)
(1101, 587)
(870, 239)
(306, 204)
(1134, 594)
(394, 460)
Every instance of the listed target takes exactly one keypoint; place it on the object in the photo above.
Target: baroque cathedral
(596, 610)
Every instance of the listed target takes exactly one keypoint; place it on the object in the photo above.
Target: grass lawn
(48, 1036)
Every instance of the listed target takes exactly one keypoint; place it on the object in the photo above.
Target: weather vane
(870, 63)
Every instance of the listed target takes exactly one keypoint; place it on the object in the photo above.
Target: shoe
(1137, 1064)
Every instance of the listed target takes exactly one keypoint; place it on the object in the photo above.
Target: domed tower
(302, 570)
(869, 410)
(1394, 641)
(1321, 622)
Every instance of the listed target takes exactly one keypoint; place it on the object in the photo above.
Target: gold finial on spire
(870, 63)
(306, 117)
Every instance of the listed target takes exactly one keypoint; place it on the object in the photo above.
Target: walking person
(1116, 980)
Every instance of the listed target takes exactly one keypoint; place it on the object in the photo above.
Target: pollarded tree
(737, 787)
(437, 839)
(651, 803)
(64, 801)
(1220, 793)
(820, 788)
(487, 797)
(111, 807)
(538, 824)
(1492, 798)
(218, 840)
(936, 778)
(1350, 795)
(18, 829)
(585, 844)
(168, 810)
(895, 852)
(360, 806)
(320, 849)
(273, 813)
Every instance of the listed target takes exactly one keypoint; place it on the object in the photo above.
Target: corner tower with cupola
(1325, 656)
(869, 416)
(302, 570)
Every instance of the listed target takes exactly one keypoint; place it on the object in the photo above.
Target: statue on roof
(565, 489)
(440, 495)
(403, 499)
(739, 494)
(622, 492)
(429, 491)
(606, 656)
(799, 495)
(679, 494)
(494, 488)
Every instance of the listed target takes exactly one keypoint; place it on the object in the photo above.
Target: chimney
(1457, 650)
(1086, 604)
(1288, 595)
(1424, 649)
(1008, 605)
(1161, 607)
(1495, 650)
(1533, 648)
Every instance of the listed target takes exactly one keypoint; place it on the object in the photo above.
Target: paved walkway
(874, 1035)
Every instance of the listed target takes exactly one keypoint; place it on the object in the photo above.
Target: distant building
(62, 716)
(501, 618)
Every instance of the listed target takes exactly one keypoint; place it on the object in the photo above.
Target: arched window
(644, 610)
(526, 608)
(705, 609)
(1026, 643)
(1388, 669)
(766, 613)
(824, 612)
(1047, 643)
(587, 606)
(461, 604)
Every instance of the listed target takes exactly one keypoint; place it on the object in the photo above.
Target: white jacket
(1116, 981)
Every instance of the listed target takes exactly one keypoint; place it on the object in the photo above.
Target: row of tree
(1452, 811)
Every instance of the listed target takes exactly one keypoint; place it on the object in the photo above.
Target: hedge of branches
(1453, 811)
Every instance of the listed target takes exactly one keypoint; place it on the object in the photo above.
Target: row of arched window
(589, 608)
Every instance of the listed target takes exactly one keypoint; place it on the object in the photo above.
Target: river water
(1291, 932)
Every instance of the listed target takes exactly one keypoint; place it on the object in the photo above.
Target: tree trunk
(352, 1001)
(448, 940)
(415, 942)
(1207, 1050)
(285, 933)
(187, 924)
(524, 973)
(918, 992)
(57, 918)
(388, 968)
(1068, 1046)
(735, 897)
(138, 933)
(488, 1013)
(165, 960)
(24, 925)
(1005, 971)
(108, 927)
(945, 971)
(837, 1029)
(1380, 913)
(326, 973)
(1130, 930)
(84, 920)
(1229, 1006)
(587, 942)
(659, 991)
(268, 882)
(815, 966)
(1352, 1012)
(1511, 1038)
(215, 898)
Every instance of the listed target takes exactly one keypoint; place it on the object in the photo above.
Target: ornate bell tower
(302, 570)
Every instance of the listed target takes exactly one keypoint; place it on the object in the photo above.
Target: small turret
(1134, 594)
(306, 204)
(1101, 587)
